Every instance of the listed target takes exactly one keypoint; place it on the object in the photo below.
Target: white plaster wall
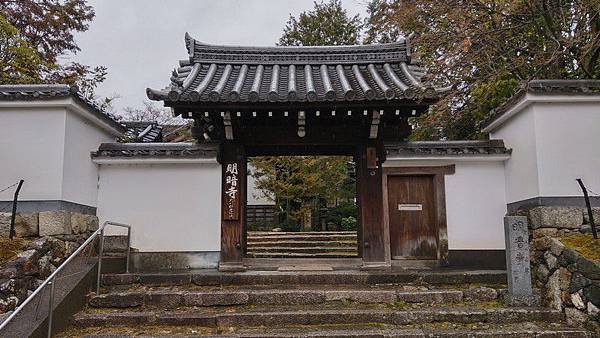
(568, 138)
(255, 196)
(476, 206)
(475, 202)
(518, 133)
(80, 174)
(171, 207)
(32, 148)
(553, 143)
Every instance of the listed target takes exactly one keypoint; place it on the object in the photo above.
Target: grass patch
(585, 244)
(10, 248)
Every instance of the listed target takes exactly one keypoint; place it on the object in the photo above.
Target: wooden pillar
(233, 206)
(369, 193)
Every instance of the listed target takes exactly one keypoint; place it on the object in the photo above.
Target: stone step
(526, 330)
(168, 299)
(115, 243)
(308, 233)
(318, 254)
(315, 317)
(302, 237)
(495, 331)
(292, 240)
(345, 277)
(304, 243)
(309, 249)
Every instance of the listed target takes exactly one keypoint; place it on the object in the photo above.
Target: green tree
(48, 27)
(326, 24)
(19, 62)
(298, 184)
(486, 48)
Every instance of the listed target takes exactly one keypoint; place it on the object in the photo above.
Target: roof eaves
(536, 90)
(46, 92)
(139, 151)
(494, 149)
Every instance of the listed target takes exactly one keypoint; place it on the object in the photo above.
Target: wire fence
(592, 192)
(10, 186)
(12, 206)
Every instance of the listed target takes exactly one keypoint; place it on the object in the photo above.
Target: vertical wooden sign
(231, 192)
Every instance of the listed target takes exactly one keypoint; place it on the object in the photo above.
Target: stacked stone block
(40, 257)
(48, 223)
(569, 281)
(52, 236)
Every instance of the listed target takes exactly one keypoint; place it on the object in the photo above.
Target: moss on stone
(9, 248)
(141, 330)
(585, 244)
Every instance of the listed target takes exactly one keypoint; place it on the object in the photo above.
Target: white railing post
(51, 280)
(100, 253)
(128, 249)
(51, 306)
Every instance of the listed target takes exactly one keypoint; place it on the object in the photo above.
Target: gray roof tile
(447, 149)
(144, 132)
(32, 92)
(329, 73)
(548, 87)
(156, 150)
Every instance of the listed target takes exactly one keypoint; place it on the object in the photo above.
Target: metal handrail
(51, 279)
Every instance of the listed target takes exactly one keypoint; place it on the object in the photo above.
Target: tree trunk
(307, 218)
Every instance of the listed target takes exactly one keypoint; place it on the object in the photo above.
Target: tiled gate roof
(281, 74)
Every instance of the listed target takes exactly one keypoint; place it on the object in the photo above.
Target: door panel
(412, 217)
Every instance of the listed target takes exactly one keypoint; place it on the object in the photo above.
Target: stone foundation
(40, 257)
(568, 281)
(48, 223)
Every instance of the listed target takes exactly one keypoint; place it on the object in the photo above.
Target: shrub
(336, 214)
(348, 223)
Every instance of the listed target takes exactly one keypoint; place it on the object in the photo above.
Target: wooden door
(412, 217)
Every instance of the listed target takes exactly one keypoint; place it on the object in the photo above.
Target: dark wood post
(370, 205)
(233, 206)
(588, 205)
(11, 231)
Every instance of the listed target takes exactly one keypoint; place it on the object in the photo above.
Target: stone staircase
(322, 244)
(312, 304)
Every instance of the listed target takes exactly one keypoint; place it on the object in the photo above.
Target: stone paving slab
(442, 330)
(321, 254)
(410, 333)
(302, 243)
(316, 317)
(173, 299)
(212, 277)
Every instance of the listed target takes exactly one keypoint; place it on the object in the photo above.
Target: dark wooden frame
(438, 173)
(360, 135)
(233, 238)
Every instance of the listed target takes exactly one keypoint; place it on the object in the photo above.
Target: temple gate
(270, 101)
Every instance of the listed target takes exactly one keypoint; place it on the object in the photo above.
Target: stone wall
(568, 281)
(48, 223)
(52, 236)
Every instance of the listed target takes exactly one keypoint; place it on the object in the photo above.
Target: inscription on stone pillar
(516, 236)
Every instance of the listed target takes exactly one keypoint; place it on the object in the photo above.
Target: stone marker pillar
(516, 237)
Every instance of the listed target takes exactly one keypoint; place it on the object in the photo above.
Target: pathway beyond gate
(313, 244)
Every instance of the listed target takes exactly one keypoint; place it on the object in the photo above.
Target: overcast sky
(140, 41)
